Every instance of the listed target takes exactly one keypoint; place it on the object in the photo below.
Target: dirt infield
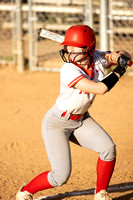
(24, 100)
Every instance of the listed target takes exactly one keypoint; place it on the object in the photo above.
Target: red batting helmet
(80, 36)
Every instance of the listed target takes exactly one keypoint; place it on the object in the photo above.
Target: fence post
(19, 32)
(89, 13)
(14, 46)
(31, 35)
(104, 43)
(111, 41)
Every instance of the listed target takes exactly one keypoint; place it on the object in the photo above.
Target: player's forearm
(108, 81)
(89, 86)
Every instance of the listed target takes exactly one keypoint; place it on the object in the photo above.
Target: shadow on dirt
(122, 187)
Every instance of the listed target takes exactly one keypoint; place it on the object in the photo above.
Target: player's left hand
(113, 57)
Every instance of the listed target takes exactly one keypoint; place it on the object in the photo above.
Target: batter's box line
(114, 188)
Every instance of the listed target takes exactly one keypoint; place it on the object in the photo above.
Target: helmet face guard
(62, 54)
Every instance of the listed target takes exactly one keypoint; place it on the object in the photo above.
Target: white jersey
(71, 99)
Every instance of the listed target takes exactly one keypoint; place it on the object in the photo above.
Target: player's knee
(61, 179)
(61, 182)
(58, 179)
(109, 154)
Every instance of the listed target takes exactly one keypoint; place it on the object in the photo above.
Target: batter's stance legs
(104, 173)
(105, 165)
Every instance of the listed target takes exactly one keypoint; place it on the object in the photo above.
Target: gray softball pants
(57, 131)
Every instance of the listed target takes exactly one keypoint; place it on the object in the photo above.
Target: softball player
(82, 78)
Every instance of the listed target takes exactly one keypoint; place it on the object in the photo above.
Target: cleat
(102, 195)
(23, 195)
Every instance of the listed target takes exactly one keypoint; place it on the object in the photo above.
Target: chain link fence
(58, 16)
(121, 25)
(7, 22)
